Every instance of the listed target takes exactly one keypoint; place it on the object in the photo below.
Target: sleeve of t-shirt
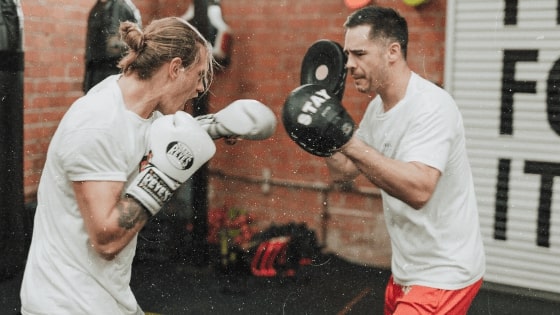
(93, 155)
(429, 139)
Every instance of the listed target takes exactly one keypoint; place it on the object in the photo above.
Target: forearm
(111, 221)
(127, 219)
(410, 182)
(341, 168)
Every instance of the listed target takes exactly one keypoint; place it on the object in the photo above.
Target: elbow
(108, 255)
(417, 205)
(419, 201)
(106, 252)
(420, 194)
(104, 247)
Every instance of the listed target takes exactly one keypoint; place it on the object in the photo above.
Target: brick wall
(271, 39)
(273, 179)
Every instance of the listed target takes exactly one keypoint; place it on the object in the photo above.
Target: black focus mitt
(324, 64)
(315, 119)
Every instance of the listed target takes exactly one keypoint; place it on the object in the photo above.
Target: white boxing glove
(179, 147)
(245, 119)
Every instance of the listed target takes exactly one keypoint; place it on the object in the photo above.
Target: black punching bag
(207, 17)
(104, 48)
(12, 240)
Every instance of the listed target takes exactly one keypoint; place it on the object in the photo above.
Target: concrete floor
(330, 286)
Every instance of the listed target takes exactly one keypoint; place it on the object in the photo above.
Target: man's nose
(350, 64)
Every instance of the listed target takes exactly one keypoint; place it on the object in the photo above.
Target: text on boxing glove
(179, 155)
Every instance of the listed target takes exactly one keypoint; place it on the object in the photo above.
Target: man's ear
(394, 51)
(175, 67)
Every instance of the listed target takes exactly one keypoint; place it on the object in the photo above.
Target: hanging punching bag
(103, 45)
(207, 17)
(220, 34)
(12, 240)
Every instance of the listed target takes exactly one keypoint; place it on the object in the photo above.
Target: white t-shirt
(439, 245)
(98, 139)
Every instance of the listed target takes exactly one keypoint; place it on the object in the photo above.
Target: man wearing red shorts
(411, 144)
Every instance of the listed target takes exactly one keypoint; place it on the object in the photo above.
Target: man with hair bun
(117, 156)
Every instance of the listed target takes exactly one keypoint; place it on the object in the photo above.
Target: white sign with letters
(503, 69)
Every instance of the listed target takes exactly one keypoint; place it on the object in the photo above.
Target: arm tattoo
(131, 213)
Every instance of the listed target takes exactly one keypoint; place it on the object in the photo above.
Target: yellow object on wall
(415, 3)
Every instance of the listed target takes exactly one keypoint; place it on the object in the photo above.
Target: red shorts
(420, 300)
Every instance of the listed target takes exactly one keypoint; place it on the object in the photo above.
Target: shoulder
(431, 98)
(101, 106)
(428, 90)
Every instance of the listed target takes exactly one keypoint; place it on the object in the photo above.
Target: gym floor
(330, 286)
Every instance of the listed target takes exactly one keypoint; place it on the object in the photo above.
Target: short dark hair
(384, 22)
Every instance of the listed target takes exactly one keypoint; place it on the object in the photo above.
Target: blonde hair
(161, 41)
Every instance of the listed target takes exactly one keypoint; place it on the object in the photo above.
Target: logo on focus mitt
(314, 119)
